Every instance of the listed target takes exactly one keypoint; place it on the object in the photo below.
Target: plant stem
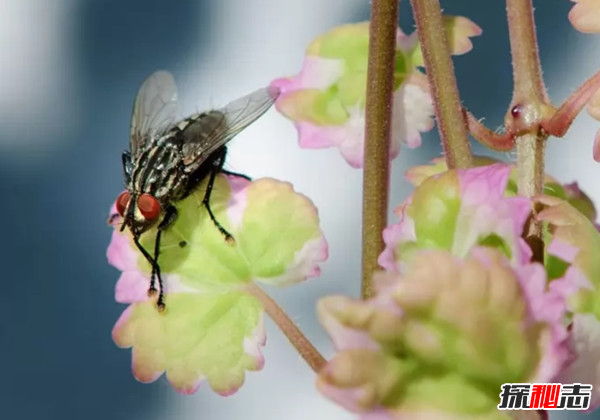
(565, 115)
(530, 172)
(380, 86)
(304, 347)
(498, 142)
(442, 80)
(527, 73)
(529, 106)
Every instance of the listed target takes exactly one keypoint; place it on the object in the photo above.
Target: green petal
(347, 42)
(198, 336)
(278, 224)
(434, 208)
(319, 107)
(205, 260)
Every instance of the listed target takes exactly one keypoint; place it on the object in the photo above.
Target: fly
(168, 159)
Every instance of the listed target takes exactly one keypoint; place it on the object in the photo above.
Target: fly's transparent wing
(154, 109)
(212, 130)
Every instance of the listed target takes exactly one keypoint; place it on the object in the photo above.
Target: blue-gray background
(68, 75)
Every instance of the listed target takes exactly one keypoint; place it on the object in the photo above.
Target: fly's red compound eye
(149, 206)
(122, 202)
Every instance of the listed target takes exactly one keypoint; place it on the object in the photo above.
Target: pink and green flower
(213, 326)
(326, 100)
(439, 340)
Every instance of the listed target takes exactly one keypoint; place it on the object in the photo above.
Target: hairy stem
(560, 122)
(527, 73)
(442, 80)
(530, 173)
(304, 347)
(380, 86)
(529, 107)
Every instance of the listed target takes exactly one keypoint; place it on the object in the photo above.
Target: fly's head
(139, 211)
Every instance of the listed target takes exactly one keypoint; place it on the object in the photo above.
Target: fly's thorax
(158, 169)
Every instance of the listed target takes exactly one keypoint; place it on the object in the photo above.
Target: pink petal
(596, 149)
(132, 287)
(585, 16)
(343, 338)
(120, 254)
(483, 184)
(585, 366)
(253, 344)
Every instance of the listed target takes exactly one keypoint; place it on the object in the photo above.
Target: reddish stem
(498, 142)
(302, 345)
(560, 122)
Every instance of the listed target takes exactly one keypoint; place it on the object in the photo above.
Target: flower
(493, 217)
(585, 16)
(459, 31)
(456, 211)
(326, 100)
(213, 326)
(438, 341)
(552, 187)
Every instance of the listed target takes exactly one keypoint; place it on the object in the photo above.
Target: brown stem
(498, 142)
(560, 122)
(440, 73)
(527, 73)
(530, 177)
(529, 107)
(380, 86)
(304, 347)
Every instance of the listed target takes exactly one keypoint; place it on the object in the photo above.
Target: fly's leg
(153, 264)
(226, 172)
(217, 167)
(168, 220)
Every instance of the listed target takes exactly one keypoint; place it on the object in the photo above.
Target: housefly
(169, 158)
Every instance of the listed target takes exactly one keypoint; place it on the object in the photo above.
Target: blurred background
(69, 73)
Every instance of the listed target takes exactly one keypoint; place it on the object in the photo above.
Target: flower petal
(199, 336)
(458, 210)
(596, 149)
(280, 237)
(585, 365)
(585, 16)
(459, 31)
(593, 106)
(575, 244)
